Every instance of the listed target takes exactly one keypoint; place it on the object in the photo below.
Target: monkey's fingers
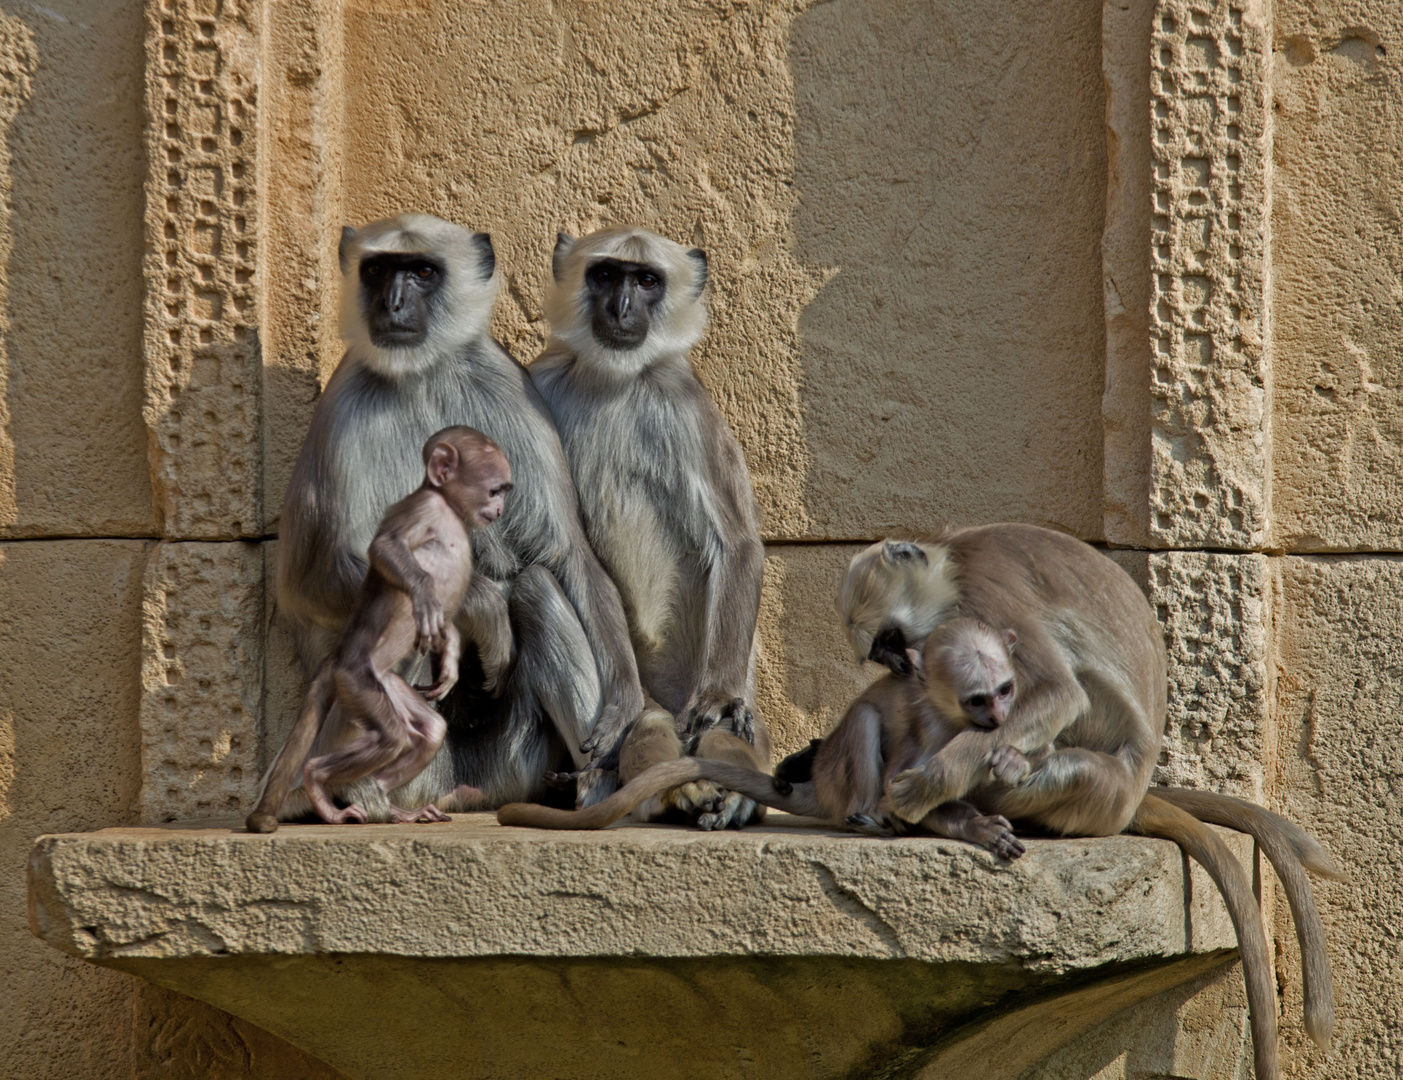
(559, 780)
(1009, 765)
(995, 833)
(439, 689)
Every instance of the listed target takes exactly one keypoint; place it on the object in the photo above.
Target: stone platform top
(472, 888)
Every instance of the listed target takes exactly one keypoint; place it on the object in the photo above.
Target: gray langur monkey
(665, 497)
(1077, 748)
(417, 299)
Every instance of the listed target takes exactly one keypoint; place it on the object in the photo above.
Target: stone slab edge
(474, 889)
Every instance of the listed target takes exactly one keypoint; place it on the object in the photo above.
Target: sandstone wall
(908, 208)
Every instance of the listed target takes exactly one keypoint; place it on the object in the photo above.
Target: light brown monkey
(421, 564)
(665, 498)
(1077, 750)
(893, 725)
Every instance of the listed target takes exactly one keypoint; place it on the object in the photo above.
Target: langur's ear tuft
(564, 244)
(343, 249)
(898, 551)
(443, 464)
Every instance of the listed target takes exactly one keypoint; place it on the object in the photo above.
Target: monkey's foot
(426, 814)
(994, 832)
(1009, 766)
(735, 811)
(347, 815)
(436, 691)
(559, 780)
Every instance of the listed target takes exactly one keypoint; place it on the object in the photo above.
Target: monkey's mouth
(393, 337)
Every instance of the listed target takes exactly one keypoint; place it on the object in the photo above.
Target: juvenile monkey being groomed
(421, 567)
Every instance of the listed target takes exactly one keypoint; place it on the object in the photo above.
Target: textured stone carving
(203, 364)
(1215, 611)
(1211, 143)
(201, 678)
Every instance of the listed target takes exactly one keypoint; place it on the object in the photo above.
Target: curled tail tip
(510, 814)
(261, 823)
(1321, 1028)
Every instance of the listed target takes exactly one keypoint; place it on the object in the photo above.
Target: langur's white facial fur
(461, 311)
(677, 321)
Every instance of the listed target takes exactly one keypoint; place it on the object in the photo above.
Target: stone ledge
(511, 951)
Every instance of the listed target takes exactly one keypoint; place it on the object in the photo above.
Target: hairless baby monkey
(421, 569)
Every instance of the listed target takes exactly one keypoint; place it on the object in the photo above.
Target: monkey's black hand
(607, 738)
(713, 709)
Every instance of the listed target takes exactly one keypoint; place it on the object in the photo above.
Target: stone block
(70, 636)
(202, 301)
(202, 654)
(1210, 90)
(1216, 612)
(72, 442)
(1336, 264)
(1339, 693)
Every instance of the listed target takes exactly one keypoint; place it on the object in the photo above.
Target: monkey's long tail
(280, 776)
(1289, 849)
(1156, 817)
(656, 780)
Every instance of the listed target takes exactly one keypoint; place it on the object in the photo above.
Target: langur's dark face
(621, 296)
(397, 296)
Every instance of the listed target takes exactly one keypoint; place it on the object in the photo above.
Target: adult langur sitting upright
(666, 500)
(417, 298)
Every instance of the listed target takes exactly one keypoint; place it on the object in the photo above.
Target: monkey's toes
(697, 797)
(559, 780)
(350, 815)
(869, 825)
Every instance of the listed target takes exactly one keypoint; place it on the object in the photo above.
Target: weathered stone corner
(475, 950)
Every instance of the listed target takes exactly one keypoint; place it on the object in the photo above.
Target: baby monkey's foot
(871, 824)
(347, 815)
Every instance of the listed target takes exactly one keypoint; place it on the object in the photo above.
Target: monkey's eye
(500, 489)
(648, 281)
(976, 702)
(373, 270)
(425, 272)
(1006, 689)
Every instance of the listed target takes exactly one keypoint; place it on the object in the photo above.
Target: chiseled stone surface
(1215, 610)
(1337, 264)
(202, 648)
(1211, 418)
(482, 890)
(1338, 699)
(203, 363)
(857, 953)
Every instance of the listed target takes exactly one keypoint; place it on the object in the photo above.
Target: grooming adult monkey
(1090, 710)
(665, 497)
(420, 567)
(891, 726)
(417, 297)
